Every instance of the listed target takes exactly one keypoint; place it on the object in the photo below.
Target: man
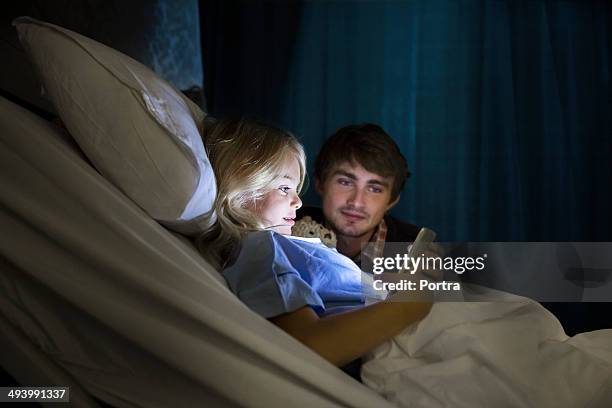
(359, 174)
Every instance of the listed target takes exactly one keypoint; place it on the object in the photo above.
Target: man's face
(355, 200)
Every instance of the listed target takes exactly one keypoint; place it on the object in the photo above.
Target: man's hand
(434, 251)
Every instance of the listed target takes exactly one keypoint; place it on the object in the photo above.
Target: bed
(101, 286)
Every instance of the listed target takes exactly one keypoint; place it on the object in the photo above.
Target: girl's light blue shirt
(275, 274)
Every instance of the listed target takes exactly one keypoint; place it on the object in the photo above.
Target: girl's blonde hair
(247, 157)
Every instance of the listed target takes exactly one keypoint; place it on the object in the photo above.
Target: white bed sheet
(505, 351)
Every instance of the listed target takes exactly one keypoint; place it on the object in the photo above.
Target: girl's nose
(297, 202)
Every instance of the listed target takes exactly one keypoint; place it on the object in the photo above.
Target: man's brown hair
(367, 145)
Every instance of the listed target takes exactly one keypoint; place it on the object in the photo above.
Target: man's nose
(356, 197)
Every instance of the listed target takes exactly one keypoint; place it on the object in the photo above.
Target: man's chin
(351, 231)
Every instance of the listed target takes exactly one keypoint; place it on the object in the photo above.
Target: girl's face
(277, 208)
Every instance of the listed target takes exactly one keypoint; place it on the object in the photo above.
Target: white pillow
(137, 130)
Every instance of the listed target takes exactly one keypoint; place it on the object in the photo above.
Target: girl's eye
(284, 189)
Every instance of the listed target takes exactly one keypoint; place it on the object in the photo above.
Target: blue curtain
(503, 108)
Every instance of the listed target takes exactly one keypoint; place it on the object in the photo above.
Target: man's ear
(392, 204)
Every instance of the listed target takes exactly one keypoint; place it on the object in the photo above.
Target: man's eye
(344, 182)
(376, 189)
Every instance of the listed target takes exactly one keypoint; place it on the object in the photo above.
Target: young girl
(308, 290)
